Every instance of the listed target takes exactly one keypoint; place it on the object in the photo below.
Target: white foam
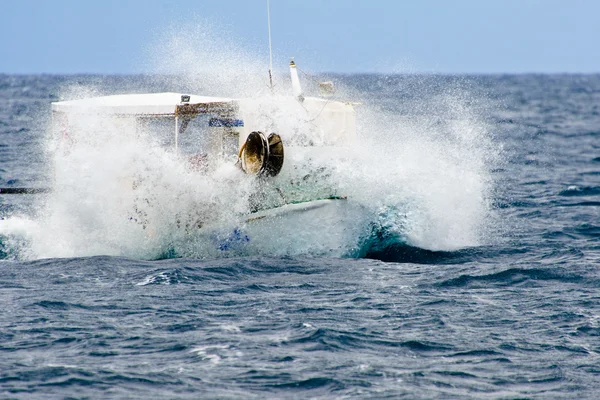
(428, 183)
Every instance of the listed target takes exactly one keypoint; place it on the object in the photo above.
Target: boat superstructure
(261, 135)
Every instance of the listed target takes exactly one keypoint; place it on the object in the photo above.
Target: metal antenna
(270, 46)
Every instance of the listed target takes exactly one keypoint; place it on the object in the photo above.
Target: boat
(265, 138)
(273, 144)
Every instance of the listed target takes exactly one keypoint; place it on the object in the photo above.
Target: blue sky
(441, 36)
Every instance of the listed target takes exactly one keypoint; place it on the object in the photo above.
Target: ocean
(469, 268)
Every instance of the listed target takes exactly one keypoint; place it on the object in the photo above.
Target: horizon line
(389, 73)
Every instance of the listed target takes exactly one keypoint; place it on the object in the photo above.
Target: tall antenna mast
(270, 46)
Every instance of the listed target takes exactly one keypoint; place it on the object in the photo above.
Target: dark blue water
(515, 316)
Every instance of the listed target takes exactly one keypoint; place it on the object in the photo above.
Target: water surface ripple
(515, 317)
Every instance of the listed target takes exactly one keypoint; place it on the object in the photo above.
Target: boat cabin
(211, 126)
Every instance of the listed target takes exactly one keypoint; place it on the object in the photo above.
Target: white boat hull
(329, 227)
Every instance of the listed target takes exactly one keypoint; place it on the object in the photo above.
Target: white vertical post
(296, 88)
(176, 133)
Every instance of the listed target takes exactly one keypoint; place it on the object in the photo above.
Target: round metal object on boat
(262, 156)
(255, 153)
(275, 159)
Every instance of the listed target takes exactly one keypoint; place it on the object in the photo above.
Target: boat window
(193, 133)
(159, 131)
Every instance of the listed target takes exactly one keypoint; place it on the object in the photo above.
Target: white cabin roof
(331, 122)
(136, 104)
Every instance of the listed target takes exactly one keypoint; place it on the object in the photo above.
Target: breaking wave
(419, 177)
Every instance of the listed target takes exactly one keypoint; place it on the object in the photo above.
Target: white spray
(428, 184)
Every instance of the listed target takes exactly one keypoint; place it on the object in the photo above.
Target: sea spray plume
(119, 193)
(203, 58)
(92, 208)
(424, 170)
(424, 181)
(421, 172)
